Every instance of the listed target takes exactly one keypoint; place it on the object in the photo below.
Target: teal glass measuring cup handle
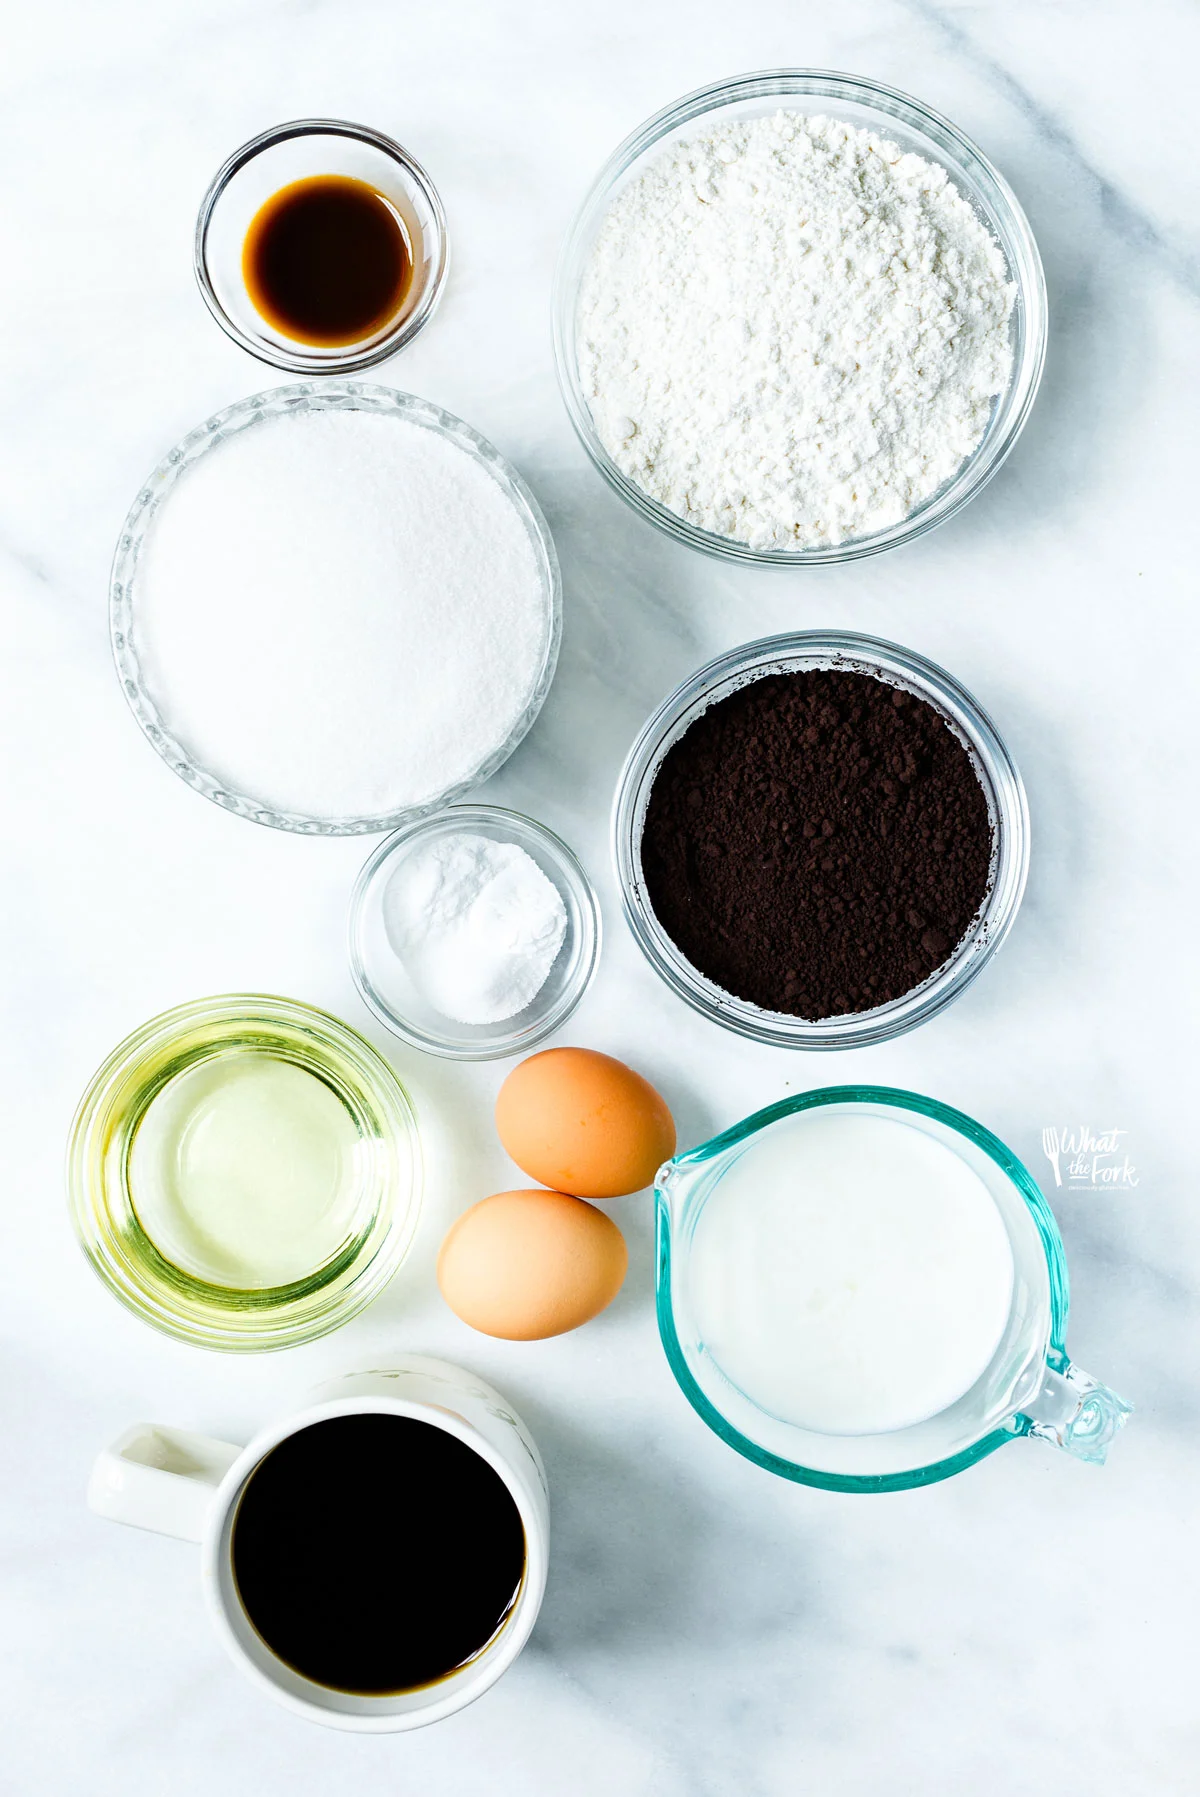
(1028, 1386)
(1074, 1411)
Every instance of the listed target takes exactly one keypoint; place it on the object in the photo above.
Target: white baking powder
(791, 332)
(477, 925)
(340, 613)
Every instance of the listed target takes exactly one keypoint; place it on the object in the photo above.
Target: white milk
(850, 1274)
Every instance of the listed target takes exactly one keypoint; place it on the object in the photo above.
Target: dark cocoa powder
(817, 843)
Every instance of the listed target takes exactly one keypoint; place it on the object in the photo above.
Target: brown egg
(584, 1123)
(525, 1265)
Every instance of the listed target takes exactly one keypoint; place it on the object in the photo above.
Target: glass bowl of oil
(321, 247)
(244, 1172)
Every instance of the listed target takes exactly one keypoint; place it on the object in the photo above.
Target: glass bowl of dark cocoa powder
(821, 839)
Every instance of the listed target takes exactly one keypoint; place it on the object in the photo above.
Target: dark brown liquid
(327, 261)
(377, 1553)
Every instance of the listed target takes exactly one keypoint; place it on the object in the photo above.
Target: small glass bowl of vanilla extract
(321, 247)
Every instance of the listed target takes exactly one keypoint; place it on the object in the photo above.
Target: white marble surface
(709, 1631)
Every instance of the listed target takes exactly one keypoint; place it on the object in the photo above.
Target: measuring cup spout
(1076, 1413)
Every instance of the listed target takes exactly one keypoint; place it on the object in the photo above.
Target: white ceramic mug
(188, 1485)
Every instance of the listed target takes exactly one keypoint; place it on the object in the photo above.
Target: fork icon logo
(1086, 1160)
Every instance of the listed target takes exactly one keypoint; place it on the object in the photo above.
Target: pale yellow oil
(243, 1171)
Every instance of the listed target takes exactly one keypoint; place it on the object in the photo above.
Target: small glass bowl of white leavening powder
(334, 608)
(473, 934)
(800, 318)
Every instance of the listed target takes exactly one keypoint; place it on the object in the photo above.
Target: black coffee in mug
(376, 1554)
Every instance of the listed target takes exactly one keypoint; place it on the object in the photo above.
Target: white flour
(340, 613)
(791, 332)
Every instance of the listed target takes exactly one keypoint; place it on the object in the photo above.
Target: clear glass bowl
(868, 105)
(384, 1204)
(292, 152)
(1030, 1387)
(384, 983)
(247, 414)
(998, 776)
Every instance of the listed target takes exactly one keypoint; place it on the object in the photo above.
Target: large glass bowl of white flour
(799, 318)
(334, 608)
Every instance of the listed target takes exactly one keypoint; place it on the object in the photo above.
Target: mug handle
(157, 1478)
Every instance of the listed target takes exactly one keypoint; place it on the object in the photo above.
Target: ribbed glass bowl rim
(848, 649)
(899, 1099)
(380, 1255)
(315, 396)
(298, 361)
(1004, 216)
(573, 874)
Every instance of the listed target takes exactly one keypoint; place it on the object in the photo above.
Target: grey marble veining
(708, 1631)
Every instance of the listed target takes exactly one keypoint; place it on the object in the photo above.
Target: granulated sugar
(340, 613)
(791, 332)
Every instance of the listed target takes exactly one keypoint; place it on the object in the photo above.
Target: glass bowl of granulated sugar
(335, 608)
(799, 318)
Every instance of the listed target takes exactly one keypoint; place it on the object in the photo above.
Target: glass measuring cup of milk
(862, 1289)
